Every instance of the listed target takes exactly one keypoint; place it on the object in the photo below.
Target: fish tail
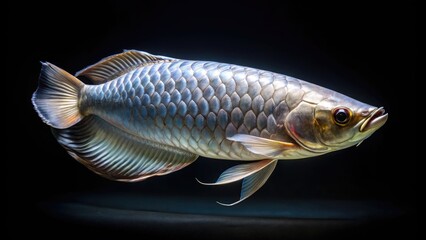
(56, 99)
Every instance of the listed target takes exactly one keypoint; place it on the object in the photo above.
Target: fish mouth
(375, 120)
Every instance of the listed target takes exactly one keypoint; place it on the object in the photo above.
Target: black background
(363, 49)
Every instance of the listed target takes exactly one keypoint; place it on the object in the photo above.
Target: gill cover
(303, 127)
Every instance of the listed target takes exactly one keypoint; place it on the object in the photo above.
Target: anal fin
(116, 155)
(254, 176)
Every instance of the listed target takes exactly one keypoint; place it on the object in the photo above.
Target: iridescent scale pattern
(195, 105)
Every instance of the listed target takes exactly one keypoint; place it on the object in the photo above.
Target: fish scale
(222, 100)
(148, 115)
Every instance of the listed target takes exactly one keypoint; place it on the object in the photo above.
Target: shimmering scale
(204, 102)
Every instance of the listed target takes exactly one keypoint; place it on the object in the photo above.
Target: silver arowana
(148, 115)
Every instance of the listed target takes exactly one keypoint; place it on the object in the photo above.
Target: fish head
(334, 123)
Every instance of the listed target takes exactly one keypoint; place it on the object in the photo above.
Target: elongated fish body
(196, 105)
(149, 115)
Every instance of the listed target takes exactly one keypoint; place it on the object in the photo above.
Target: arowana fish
(148, 115)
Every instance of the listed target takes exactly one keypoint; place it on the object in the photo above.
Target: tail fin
(56, 98)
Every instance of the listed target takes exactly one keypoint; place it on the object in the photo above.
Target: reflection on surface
(290, 209)
(108, 213)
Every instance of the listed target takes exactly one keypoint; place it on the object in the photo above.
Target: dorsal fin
(116, 65)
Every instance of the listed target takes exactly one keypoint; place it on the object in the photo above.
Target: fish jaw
(376, 120)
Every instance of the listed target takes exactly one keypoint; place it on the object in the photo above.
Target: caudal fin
(56, 98)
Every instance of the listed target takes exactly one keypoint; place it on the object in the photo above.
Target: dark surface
(169, 216)
(362, 49)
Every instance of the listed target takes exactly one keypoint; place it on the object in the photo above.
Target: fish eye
(342, 116)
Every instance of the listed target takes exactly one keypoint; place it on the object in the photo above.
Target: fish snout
(376, 119)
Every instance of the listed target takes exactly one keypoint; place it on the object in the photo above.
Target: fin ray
(262, 146)
(116, 155)
(253, 182)
(116, 65)
(239, 172)
(56, 99)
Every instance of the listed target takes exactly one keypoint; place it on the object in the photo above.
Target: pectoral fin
(254, 175)
(262, 146)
